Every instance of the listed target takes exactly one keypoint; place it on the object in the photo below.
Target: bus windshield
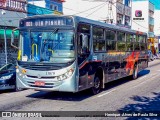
(55, 46)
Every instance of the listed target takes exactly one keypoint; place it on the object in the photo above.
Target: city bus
(72, 53)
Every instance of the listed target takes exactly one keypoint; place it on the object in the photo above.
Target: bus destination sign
(46, 22)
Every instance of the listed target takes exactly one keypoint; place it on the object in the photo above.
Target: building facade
(117, 12)
(11, 11)
(143, 17)
(36, 10)
(123, 13)
(55, 5)
(143, 20)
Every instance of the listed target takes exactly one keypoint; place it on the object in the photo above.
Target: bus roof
(89, 21)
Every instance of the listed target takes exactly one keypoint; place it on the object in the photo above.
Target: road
(125, 94)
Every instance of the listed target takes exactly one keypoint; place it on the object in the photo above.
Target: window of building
(127, 2)
(119, 18)
(127, 20)
(151, 27)
(53, 7)
(56, 7)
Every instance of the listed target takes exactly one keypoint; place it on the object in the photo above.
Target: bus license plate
(39, 83)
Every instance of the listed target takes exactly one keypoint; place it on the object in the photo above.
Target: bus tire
(135, 72)
(97, 85)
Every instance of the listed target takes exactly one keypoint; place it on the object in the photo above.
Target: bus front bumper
(68, 85)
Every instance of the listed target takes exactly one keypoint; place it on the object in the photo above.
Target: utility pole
(109, 18)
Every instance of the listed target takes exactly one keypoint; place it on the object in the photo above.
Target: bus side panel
(114, 66)
(143, 62)
(86, 75)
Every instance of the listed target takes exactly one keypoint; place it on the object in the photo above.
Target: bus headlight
(65, 75)
(17, 70)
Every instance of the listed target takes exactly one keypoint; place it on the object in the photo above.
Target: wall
(10, 18)
(157, 22)
(36, 10)
(140, 23)
(55, 2)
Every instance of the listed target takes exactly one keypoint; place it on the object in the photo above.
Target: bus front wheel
(97, 85)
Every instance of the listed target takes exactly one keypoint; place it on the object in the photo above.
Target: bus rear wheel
(135, 72)
(97, 85)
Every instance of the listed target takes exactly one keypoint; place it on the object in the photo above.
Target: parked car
(8, 77)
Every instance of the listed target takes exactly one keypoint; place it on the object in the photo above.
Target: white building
(143, 16)
(157, 22)
(117, 12)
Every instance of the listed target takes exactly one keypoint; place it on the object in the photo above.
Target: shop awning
(8, 33)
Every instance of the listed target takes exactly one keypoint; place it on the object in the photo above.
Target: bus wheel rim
(97, 83)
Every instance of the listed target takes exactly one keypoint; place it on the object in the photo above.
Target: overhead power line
(96, 10)
(89, 9)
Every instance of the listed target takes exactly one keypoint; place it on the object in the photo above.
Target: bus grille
(50, 77)
(40, 67)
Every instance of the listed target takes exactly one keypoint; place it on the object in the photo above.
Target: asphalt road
(142, 94)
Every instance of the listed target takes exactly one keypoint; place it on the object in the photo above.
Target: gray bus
(71, 53)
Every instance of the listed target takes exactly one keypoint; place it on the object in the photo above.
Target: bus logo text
(50, 73)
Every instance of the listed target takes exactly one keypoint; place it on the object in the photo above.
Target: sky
(156, 4)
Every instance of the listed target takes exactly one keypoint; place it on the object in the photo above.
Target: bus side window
(83, 38)
(137, 43)
(129, 42)
(121, 43)
(110, 39)
(98, 39)
(83, 46)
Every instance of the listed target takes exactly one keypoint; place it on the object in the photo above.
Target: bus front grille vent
(43, 77)
(40, 67)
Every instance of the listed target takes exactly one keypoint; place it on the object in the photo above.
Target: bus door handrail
(12, 38)
(33, 50)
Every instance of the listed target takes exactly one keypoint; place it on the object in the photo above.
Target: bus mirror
(12, 39)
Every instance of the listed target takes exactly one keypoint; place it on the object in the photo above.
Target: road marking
(152, 77)
(143, 77)
(106, 93)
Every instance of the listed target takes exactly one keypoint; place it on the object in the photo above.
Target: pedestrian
(157, 54)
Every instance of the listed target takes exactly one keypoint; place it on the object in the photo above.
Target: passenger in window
(103, 48)
(97, 47)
